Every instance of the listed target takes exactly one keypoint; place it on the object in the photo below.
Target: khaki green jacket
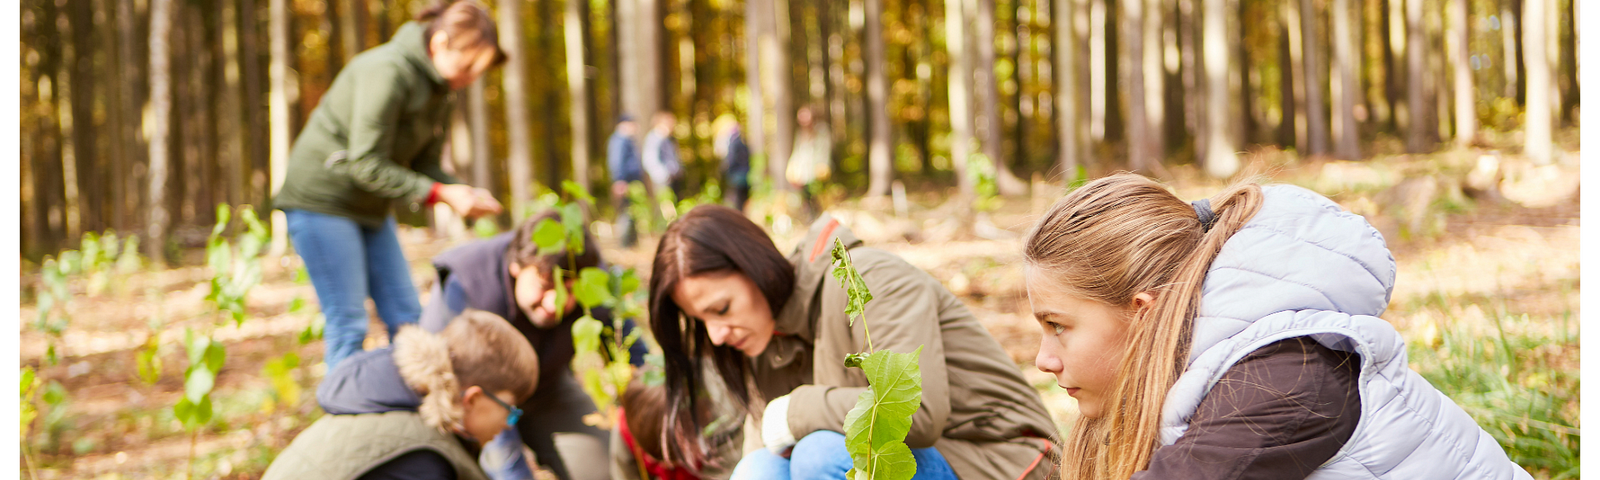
(343, 447)
(376, 136)
(976, 408)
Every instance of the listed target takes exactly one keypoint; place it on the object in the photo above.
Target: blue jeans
(821, 455)
(349, 262)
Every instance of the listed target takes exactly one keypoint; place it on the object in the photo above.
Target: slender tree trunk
(881, 165)
(1132, 78)
(230, 137)
(132, 138)
(1193, 77)
(478, 123)
(256, 151)
(49, 189)
(1221, 160)
(1438, 72)
(960, 100)
(1416, 70)
(578, 88)
(1155, 110)
(777, 71)
(85, 141)
(353, 26)
(1297, 68)
(1537, 129)
(1316, 110)
(1509, 43)
(1466, 111)
(1097, 70)
(1343, 87)
(755, 113)
(515, 88)
(283, 94)
(1066, 93)
(204, 42)
(987, 93)
(160, 112)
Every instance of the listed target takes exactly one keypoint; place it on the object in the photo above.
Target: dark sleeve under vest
(416, 465)
(1279, 413)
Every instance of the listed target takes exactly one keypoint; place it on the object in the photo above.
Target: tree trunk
(85, 142)
(1193, 78)
(353, 26)
(1155, 110)
(1097, 70)
(478, 123)
(519, 136)
(881, 164)
(49, 190)
(1416, 70)
(1509, 43)
(1066, 94)
(1343, 88)
(1466, 111)
(284, 93)
(578, 88)
(1221, 161)
(1316, 110)
(988, 129)
(960, 102)
(256, 151)
(1537, 145)
(160, 113)
(1297, 68)
(776, 71)
(755, 119)
(1132, 78)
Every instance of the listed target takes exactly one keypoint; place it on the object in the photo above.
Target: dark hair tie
(1202, 212)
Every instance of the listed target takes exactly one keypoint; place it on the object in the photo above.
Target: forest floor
(1487, 296)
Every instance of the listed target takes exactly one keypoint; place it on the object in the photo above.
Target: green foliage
(644, 217)
(149, 360)
(855, 288)
(235, 271)
(982, 174)
(313, 332)
(280, 371)
(30, 387)
(1518, 386)
(206, 358)
(485, 227)
(876, 428)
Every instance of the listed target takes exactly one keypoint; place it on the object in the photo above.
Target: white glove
(775, 426)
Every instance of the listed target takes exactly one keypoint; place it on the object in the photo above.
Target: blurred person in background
(810, 163)
(660, 155)
(730, 147)
(622, 161)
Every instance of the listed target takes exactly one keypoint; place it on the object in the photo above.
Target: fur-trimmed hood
(413, 375)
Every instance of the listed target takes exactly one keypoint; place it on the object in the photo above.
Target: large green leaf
(577, 191)
(875, 430)
(572, 222)
(549, 236)
(586, 334)
(592, 287)
(198, 383)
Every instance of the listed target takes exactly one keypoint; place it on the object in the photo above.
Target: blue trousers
(821, 455)
(349, 262)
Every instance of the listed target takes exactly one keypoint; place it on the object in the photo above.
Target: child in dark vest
(508, 276)
(419, 409)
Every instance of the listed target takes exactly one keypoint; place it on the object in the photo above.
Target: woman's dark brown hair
(467, 24)
(710, 239)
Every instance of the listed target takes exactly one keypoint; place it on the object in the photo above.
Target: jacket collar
(414, 49)
(812, 262)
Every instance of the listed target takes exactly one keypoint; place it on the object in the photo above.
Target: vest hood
(414, 375)
(1301, 251)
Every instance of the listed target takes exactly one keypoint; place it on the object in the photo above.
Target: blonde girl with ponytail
(1234, 337)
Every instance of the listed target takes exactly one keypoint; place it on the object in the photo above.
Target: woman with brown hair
(376, 138)
(776, 331)
(1236, 337)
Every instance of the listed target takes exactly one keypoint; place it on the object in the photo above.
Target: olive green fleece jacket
(977, 409)
(375, 138)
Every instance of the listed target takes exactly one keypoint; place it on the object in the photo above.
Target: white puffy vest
(1302, 267)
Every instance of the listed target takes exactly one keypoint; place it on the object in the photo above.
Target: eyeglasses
(514, 412)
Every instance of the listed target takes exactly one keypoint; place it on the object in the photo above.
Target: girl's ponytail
(466, 22)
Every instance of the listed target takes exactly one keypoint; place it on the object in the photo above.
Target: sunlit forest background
(1451, 124)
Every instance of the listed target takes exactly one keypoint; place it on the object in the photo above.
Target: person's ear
(1141, 302)
(470, 395)
(514, 269)
(439, 42)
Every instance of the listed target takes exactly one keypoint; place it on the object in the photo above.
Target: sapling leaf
(875, 430)
(591, 288)
(577, 191)
(222, 219)
(855, 288)
(548, 235)
(561, 292)
(199, 382)
(572, 222)
(586, 334)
